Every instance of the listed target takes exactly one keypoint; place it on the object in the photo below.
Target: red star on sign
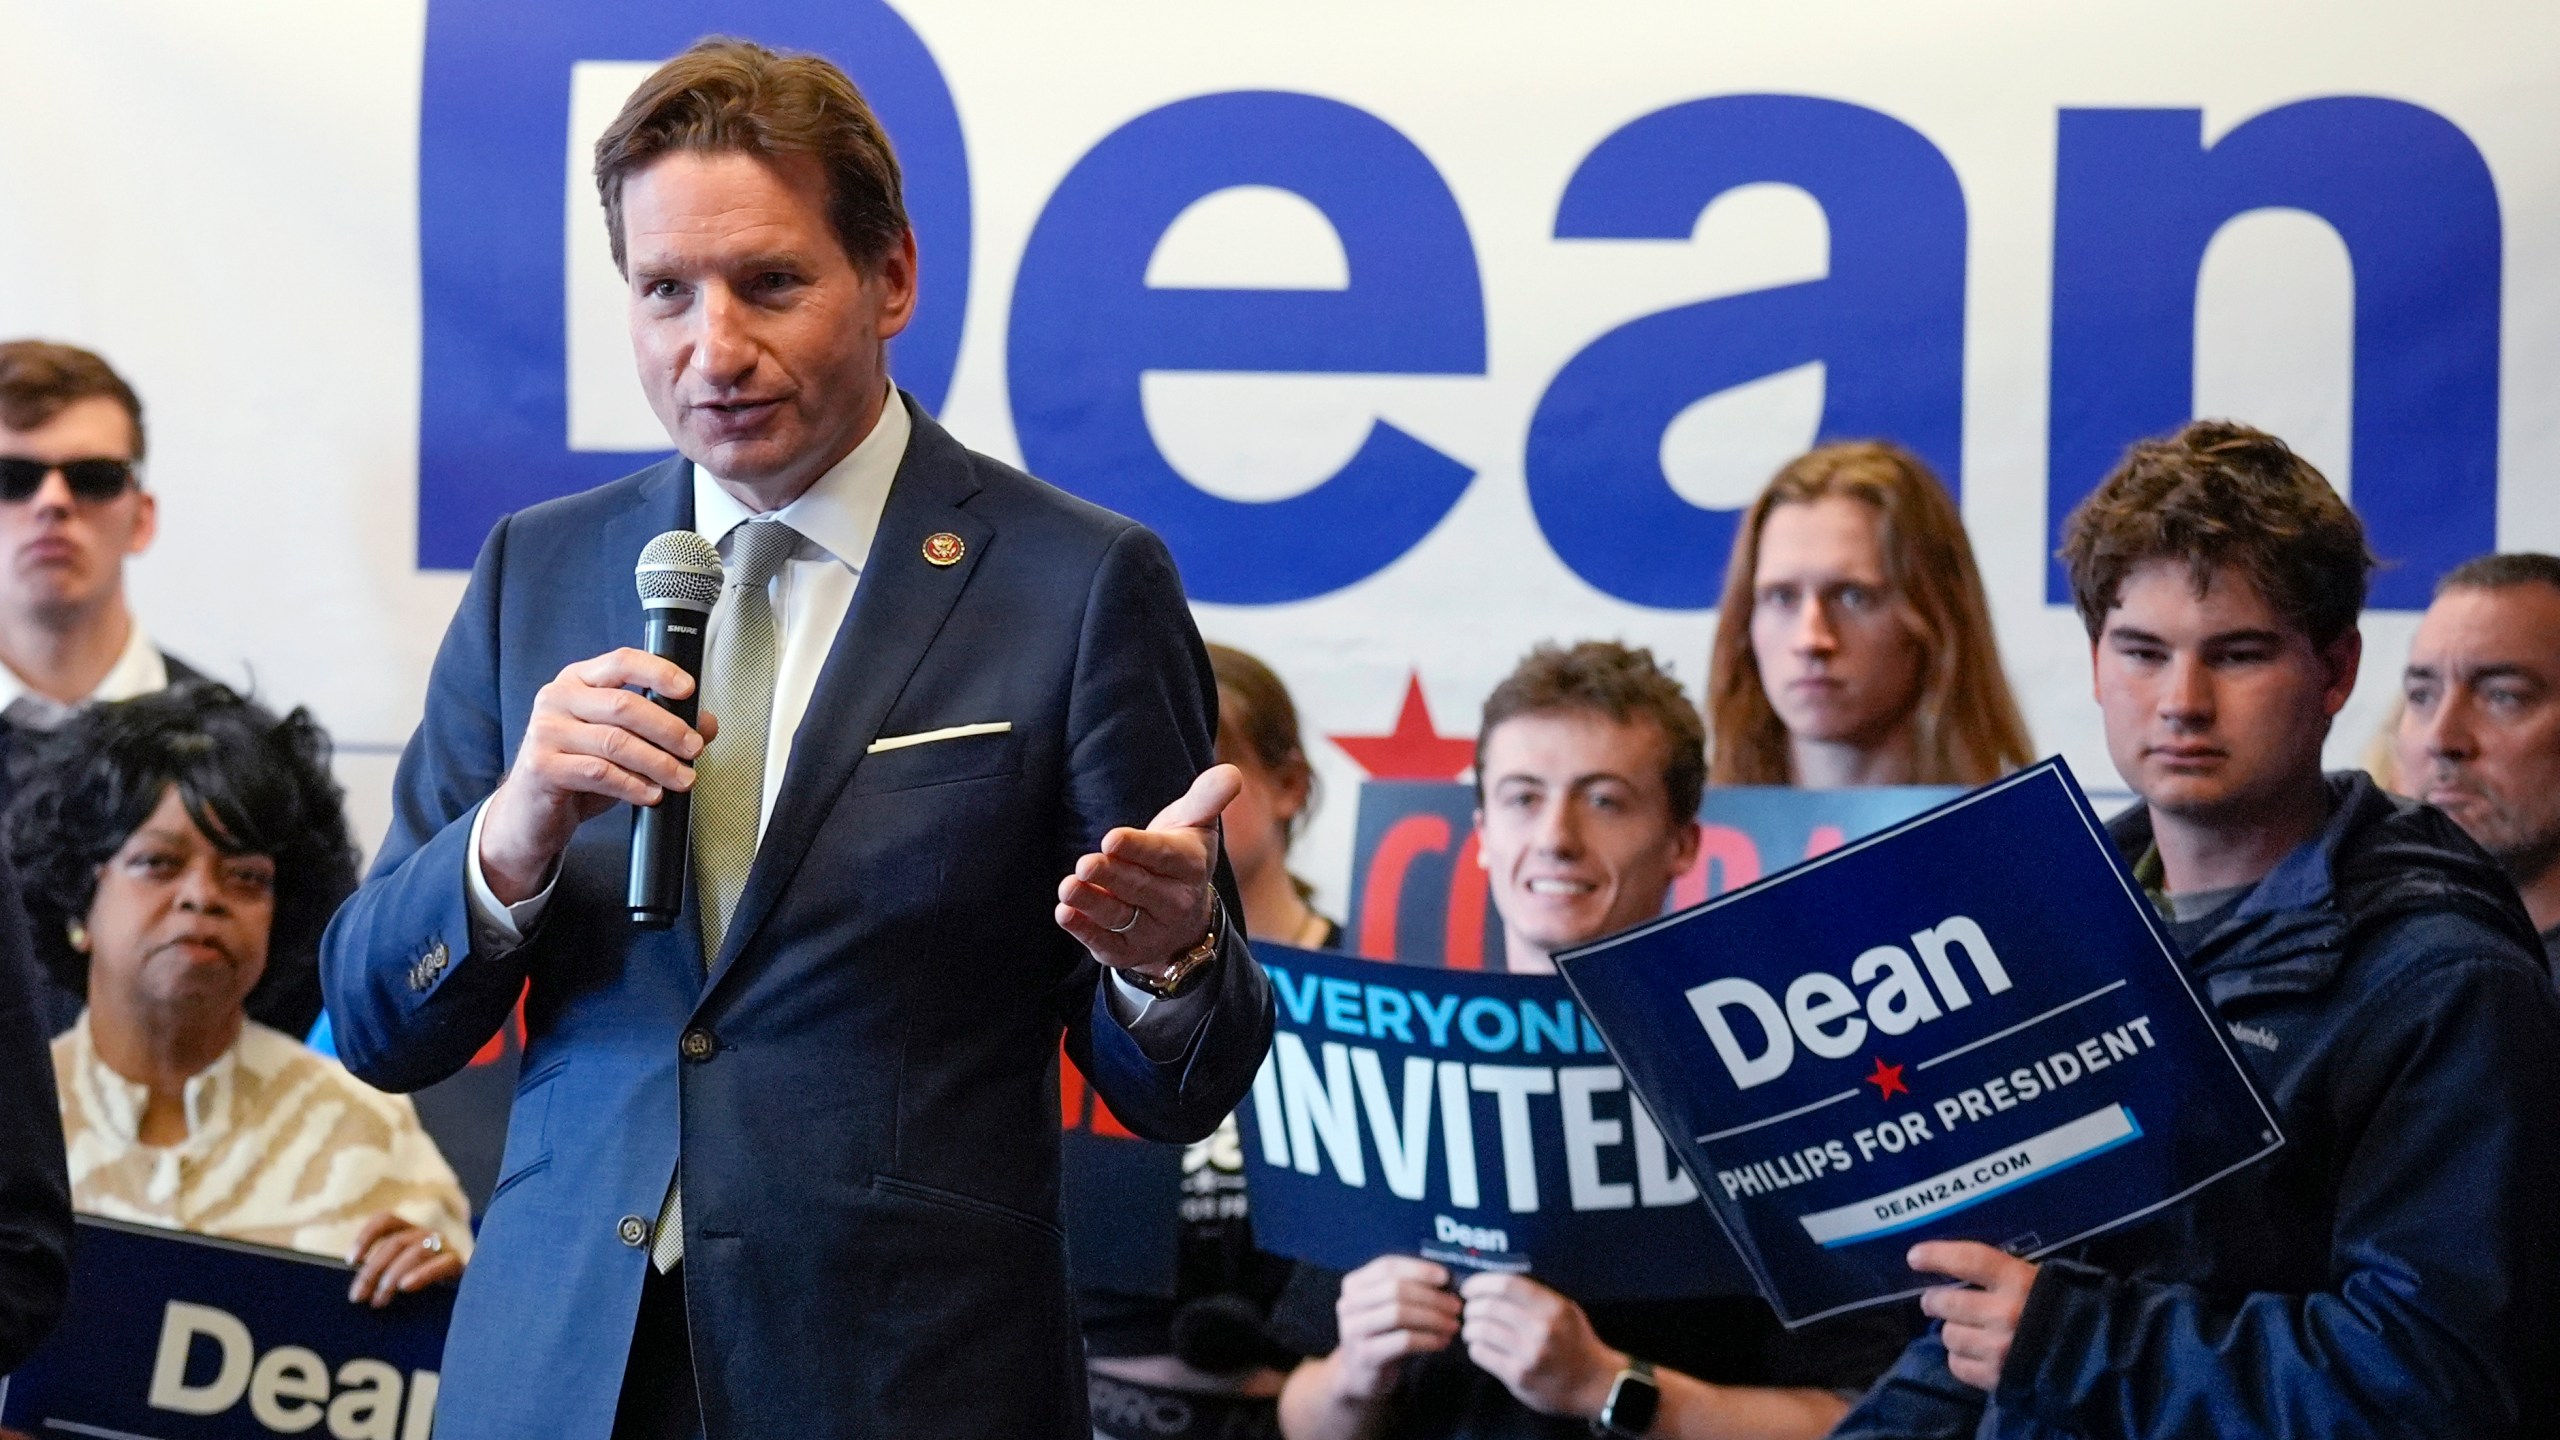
(1887, 1080)
(1415, 749)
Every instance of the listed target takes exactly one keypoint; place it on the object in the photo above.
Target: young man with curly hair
(2395, 1268)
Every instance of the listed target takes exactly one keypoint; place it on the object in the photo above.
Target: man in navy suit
(791, 1166)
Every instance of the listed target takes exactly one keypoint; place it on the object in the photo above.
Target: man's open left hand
(1144, 898)
(1981, 1314)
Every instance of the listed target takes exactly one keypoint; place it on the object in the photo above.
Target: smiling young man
(1589, 765)
(2479, 730)
(2395, 1268)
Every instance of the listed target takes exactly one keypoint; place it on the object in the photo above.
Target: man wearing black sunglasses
(72, 509)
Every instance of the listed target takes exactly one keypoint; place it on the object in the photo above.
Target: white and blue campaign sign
(1969, 1026)
(173, 1336)
(1470, 1118)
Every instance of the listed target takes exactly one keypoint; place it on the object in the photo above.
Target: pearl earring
(78, 935)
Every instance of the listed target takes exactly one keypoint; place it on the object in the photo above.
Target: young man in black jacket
(2395, 1268)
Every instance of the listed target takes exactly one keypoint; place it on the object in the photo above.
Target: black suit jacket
(35, 1188)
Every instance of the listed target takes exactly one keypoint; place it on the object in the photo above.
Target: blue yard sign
(1967, 1026)
(1471, 1118)
(177, 1337)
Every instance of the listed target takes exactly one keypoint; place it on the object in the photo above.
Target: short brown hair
(1622, 682)
(725, 94)
(1256, 717)
(39, 379)
(2217, 494)
(1966, 722)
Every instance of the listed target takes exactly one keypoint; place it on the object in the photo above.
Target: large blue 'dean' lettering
(185, 1338)
(2140, 196)
(1886, 321)
(1969, 1026)
(1473, 1119)
(1086, 326)
(493, 427)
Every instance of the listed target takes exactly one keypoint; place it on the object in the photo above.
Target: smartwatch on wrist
(1633, 1401)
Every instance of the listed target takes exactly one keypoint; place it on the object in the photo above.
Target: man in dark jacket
(2395, 1268)
(2479, 734)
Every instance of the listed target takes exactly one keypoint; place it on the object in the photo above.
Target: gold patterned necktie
(728, 780)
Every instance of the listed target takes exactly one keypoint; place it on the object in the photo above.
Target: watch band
(1186, 967)
(1634, 1400)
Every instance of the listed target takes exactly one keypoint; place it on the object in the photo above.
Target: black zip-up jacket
(35, 1188)
(2394, 1270)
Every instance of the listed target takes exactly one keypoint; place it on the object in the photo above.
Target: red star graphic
(1415, 749)
(1887, 1080)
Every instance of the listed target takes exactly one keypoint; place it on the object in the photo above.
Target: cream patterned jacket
(283, 1148)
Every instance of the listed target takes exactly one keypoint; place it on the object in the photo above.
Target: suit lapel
(899, 605)
(665, 503)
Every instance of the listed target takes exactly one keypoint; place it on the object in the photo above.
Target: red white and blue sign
(1467, 1117)
(1968, 1026)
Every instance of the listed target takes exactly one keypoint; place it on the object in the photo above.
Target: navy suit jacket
(863, 1087)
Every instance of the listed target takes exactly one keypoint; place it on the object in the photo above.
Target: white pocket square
(948, 732)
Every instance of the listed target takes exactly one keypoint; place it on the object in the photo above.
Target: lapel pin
(943, 548)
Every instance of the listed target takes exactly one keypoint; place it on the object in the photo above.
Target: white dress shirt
(139, 670)
(836, 518)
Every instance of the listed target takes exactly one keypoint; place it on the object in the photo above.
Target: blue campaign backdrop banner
(179, 1337)
(1969, 1026)
(1467, 1117)
(1419, 898)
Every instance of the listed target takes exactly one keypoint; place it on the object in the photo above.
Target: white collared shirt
(139, 670)
(813, 592)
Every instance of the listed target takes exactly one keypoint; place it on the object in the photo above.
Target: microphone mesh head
(679, 569)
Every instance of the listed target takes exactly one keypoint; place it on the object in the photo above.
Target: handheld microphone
(679, 576)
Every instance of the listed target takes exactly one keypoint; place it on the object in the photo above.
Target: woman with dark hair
(167, 845)
(1853, 645)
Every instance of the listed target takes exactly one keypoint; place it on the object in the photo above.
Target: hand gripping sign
(1969, 1026)
(182, 1337)
(1470, 1118)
